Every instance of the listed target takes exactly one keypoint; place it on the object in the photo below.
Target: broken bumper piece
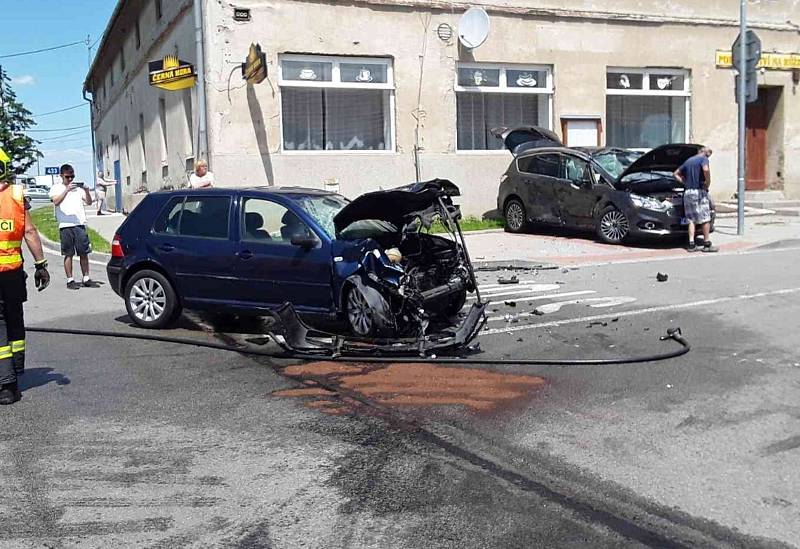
(295, 337)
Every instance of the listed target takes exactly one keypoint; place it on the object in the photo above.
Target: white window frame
(548, 89)
(647, 89)
(336, 83)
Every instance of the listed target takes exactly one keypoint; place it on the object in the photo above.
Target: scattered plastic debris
(520, 340)
(537, 312)
(669, 386)
(511, 318)
(512, 280)
(510, 303)
(662, 277)
(597, 323)
(565, 270)
(616, 319)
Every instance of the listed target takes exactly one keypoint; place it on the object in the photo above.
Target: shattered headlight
(648, 203)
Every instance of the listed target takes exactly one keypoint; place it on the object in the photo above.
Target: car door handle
(245, 254)
(166, 247)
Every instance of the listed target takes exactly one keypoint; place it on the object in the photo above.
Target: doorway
(760, 116)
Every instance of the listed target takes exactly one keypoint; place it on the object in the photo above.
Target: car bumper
(658, 224)
(114, 272)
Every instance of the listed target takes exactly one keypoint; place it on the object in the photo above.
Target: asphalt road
(127, 443)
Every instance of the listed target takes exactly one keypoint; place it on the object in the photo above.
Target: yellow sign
(7, 225)
(769, 60)
(171, 73)
(4, 160)
(254, 69)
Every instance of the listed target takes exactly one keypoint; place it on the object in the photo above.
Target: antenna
(473, 28)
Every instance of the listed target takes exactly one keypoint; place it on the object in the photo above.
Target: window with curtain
(646, 108)
(336, 103)
(490, 96)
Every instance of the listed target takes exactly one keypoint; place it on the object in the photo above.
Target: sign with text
(769, 60)
(52, 170)
(171, 73)
(254, 69)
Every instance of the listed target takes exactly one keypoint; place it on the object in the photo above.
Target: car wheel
(151, 300)
(515, 216)
(368, 313)
(613, 226)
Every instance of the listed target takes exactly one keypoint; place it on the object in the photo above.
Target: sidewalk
(572, 248)
(105, 224)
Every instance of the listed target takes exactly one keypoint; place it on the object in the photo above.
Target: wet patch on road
(408, 384)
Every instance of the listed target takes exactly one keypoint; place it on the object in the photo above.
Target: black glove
(41, 277)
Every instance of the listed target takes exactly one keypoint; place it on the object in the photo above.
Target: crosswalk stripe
(490, 287)
(520, 291)
(547, 296)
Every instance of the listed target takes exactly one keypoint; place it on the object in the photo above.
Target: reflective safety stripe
(5, 352)
(18, 346)
(9, 259)
(10, 244)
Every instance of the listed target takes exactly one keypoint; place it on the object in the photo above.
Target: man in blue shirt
(695, 175)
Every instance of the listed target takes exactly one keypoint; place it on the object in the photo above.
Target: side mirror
(304, 241)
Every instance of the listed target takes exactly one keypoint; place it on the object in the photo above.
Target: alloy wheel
(359, 312)
(614, 225)
(515, 217)
(148, 299)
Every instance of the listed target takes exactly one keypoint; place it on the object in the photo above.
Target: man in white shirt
(201, 178)
(69, 199)
(101, 186)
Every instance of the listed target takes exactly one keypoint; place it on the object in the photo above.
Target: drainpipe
(91, 131)
(202, 129)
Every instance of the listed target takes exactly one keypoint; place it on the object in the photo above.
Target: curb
(55, 248)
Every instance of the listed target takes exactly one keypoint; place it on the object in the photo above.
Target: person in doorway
(201, 178)
(16, 226)
(101, 186)
(695, 174)
(69, 199)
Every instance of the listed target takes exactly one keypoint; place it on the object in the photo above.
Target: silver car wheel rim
(514, 216)
(148, 299)
(614, 225)
(359, 313)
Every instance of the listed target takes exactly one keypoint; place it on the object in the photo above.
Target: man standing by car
(15, 226)
(100, 188)
(695, 174)
(69, 199)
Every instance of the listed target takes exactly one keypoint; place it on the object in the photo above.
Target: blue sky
(53, 80)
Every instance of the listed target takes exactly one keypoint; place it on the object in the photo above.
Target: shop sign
(254, 69)
(769, 60)
(241, 14)
(171, 73)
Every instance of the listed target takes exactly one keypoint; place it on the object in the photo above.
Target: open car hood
(395, 206)
(666, 158)
(523, 138)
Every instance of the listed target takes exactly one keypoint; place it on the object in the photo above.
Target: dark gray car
(550, 184)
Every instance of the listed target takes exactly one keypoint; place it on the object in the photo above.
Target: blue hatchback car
(368, 262)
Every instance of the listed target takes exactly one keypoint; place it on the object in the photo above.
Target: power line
(62, 110)
(19, 54)
(56, 137)
(61, 129)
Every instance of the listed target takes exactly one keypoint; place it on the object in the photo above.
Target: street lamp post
(742, 104)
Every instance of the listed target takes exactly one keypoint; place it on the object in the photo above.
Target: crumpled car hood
(395, 206)
(666, 158)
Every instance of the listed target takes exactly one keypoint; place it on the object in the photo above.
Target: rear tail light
(116, 247)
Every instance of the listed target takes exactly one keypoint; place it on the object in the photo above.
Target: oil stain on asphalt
(414, 384)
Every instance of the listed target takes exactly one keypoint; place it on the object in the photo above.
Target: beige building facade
(365, 94)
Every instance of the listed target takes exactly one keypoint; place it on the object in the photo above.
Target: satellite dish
(473, 28)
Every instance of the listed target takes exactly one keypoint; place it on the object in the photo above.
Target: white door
(581, 133)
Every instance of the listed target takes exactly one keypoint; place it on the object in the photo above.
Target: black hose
(673, 334)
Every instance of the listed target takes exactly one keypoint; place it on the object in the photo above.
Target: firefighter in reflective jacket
(15, 225)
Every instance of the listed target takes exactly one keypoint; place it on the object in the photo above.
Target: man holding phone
(69, 199)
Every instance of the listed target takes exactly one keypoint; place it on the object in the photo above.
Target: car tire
(367, 311)
(151, 300)
(613, 226)
(515, 216)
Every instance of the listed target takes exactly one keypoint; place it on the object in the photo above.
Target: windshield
(616, 162)
(323, 209)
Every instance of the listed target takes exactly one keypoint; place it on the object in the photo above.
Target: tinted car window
(267, 221)
(540, 164)
(167, 220)
(206, 216)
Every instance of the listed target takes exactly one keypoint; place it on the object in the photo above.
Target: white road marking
(520, 291)
(595, 302)
(647, 310)
(549, 296)
(490, 287)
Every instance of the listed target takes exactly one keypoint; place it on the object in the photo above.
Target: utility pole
(742, 105)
